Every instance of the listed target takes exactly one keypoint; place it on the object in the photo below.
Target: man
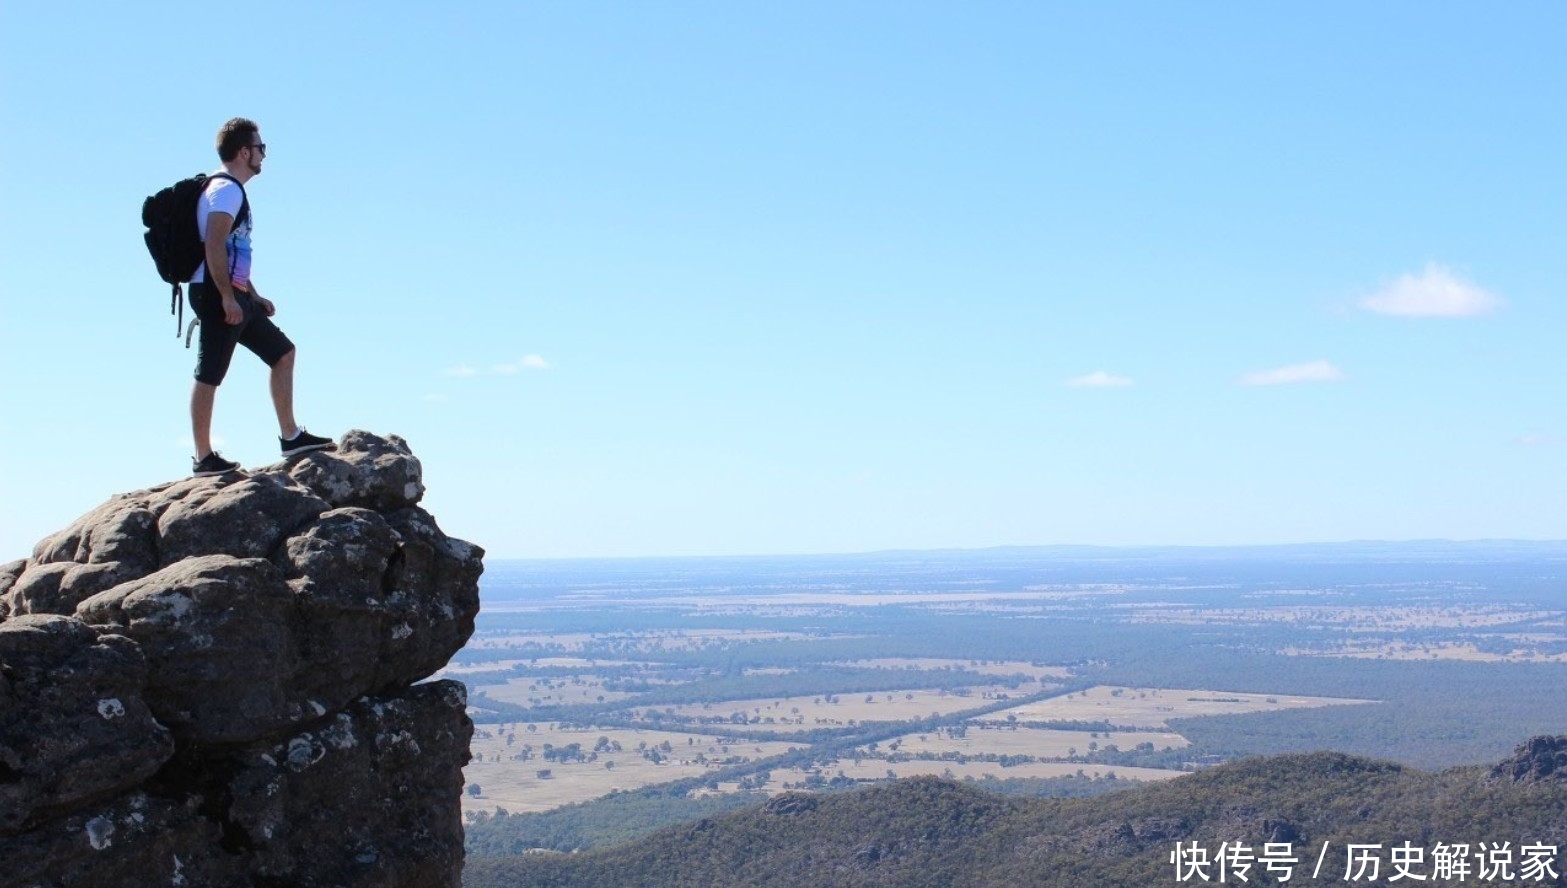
(232, 312)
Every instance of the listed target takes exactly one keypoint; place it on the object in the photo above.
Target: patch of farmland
(840, 710)
(512, 772)
(1399, 650)
(840, 598)
(1154, 707)
(535, 692)
(627, 642)
(992, 667)
(1353, 619)
(870, 769)
(981, 738)
(458, 670)
(586, 663)
(512, 639)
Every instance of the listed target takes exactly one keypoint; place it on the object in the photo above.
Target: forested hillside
(1457, 827)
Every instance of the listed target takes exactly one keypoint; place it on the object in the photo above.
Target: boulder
(245, 518)
(74, 727)
(9, 573)
(58, 587)
(220, 649)
(368, 796)
(212, 682)
(384, 475)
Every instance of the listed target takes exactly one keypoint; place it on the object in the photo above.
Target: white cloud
(1098, 379)
(528, 362)
(1539, 440)
(1315, 371)
(1434, 293)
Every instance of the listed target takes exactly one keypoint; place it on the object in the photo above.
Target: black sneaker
(210, 465)
(304, 442)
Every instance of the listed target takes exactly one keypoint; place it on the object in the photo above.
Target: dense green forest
(626, 816)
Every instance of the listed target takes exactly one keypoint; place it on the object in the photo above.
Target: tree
(474, 790)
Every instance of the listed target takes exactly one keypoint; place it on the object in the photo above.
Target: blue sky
(721, 278)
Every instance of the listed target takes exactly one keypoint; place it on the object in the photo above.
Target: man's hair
(236, 134)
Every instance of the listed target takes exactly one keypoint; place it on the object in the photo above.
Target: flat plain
(765, 675)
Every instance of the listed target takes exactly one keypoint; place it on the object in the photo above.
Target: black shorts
(218, 337)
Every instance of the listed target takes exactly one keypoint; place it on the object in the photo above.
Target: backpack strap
(244, 199)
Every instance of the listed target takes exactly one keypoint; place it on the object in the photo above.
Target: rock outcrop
(1536, 760)
(215, 682)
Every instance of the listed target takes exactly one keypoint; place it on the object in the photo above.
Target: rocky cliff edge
(213, 683)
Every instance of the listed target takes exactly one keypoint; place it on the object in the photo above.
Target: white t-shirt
(224, 196)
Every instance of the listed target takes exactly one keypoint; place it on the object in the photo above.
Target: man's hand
(265, 303)
(232, 313)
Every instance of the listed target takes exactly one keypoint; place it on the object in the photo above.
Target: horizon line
(1056, 547)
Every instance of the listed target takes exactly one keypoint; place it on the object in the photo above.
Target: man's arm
(218, 227)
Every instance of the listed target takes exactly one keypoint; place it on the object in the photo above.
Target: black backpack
(172, 236)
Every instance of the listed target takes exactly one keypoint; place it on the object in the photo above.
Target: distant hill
(942, 834)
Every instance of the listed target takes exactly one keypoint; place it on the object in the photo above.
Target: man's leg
(212, 364)
(201, 399)
(272, 346)
(282, 382)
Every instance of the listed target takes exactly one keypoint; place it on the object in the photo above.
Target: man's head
(239, 144)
